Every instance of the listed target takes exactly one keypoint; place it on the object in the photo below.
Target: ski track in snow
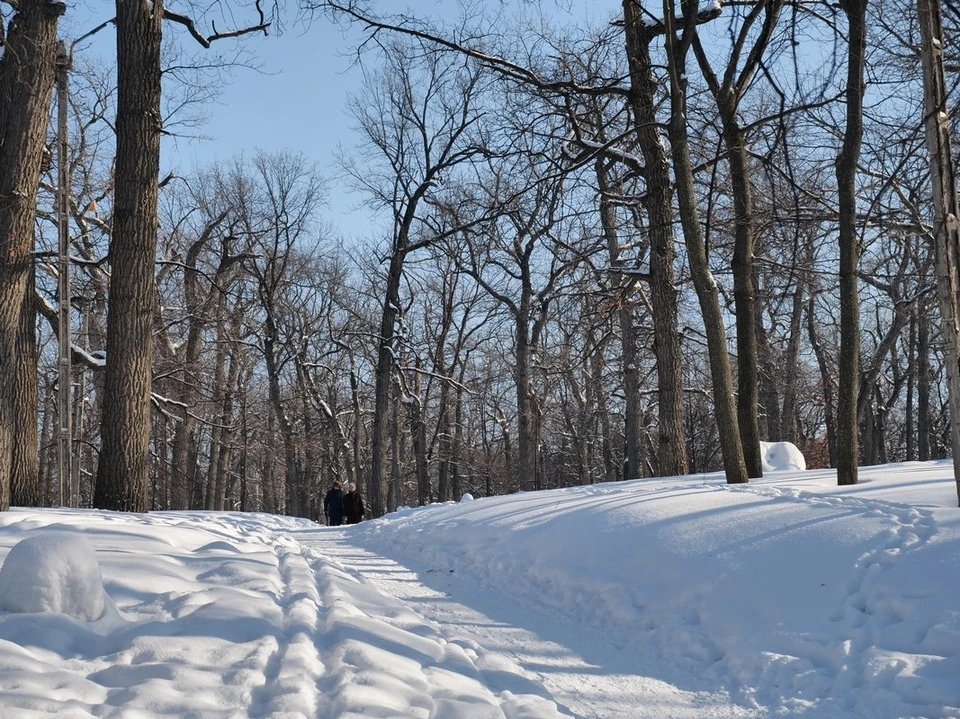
(376, 662)
(617, 688)
(472, 611)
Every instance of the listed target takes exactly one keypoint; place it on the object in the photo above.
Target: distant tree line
(631, 249)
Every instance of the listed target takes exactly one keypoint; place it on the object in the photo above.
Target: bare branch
(504, 67)
(191, 26)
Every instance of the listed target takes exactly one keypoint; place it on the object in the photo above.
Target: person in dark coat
(333, 505)
(352, 505)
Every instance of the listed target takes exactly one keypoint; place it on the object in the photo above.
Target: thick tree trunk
(25, 488)
(123, 469)
(27, 73)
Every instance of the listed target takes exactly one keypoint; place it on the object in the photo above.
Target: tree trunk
(27, 73)
(418, 440)
(849, 369)
(25, 489)
(456, 450)
(703, 280)
(744, 289)
(909, 418)
(658, 202)
(526, 409)
(382, 388)
(788, 416)
(394, 495)
(444, 431)
(924, 424)
(826, 380)
(123, 469)
(946, 209)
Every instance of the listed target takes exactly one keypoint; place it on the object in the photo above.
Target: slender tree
(946, 208)
(847, 424)
(678, 40)
(419, 120)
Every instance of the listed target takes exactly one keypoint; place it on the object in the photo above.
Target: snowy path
(585, 674)
(686, 598)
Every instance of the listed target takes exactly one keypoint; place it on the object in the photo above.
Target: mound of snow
(53, 572)
(782, 456)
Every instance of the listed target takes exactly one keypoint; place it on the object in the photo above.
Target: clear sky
(297, 102)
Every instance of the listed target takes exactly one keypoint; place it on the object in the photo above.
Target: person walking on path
(333, 505)
(352, 505)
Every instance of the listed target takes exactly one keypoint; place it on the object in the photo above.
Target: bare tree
(26, 87)
(847, 424)
(420, 122)
(123, 468)
(678, 41)
(728, 92)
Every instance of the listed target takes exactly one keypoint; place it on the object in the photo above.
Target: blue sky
(297, 101)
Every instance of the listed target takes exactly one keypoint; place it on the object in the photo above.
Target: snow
(779, 456)
(674, 598)
(53, 572)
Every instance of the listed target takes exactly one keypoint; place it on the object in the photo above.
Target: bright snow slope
(677, 597)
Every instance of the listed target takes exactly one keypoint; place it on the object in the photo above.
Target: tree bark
(123, 468)
(703, 279)
(744, 290)
(946, 209)
(658, 202)
(849, 370)
(27, 73)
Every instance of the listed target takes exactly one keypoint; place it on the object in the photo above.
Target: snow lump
(53, 572)
(782, 456)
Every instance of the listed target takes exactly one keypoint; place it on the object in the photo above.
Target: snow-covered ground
(670, 598)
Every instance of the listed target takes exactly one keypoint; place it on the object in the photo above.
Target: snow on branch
(707, 10)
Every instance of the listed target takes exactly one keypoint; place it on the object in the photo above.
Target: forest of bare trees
(629, 247)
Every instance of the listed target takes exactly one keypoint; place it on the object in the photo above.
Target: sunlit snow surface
(677, 597)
